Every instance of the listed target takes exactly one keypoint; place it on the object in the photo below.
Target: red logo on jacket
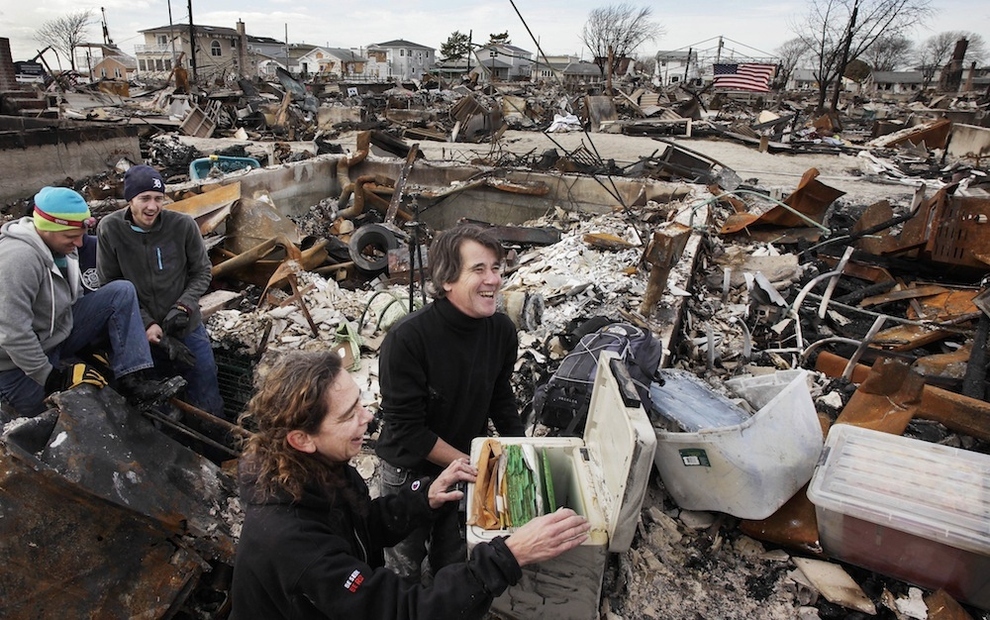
(354, 581)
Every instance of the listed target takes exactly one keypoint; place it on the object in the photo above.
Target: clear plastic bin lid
(937, 492)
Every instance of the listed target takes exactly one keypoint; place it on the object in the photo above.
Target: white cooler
(604, 477)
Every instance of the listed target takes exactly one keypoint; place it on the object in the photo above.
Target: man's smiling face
(474, 290)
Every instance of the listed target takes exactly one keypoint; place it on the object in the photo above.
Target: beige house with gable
(220, 53)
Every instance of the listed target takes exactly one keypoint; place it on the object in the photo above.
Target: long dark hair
(292, 397)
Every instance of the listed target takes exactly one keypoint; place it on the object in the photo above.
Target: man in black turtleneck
(445, 371)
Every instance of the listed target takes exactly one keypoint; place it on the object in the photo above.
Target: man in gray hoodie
(45, 320)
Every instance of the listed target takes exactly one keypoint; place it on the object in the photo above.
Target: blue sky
(754, 25)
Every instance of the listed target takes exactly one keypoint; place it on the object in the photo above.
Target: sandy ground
(768, 170)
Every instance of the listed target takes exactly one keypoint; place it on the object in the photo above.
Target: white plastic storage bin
(910, 509)
(604, 477)
(748, 468)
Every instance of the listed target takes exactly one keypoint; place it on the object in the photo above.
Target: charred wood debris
(885, 304)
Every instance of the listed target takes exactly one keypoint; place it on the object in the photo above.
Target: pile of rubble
(881, 304)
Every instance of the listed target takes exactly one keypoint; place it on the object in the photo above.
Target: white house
(676, 66)
(400, 59)
(505, 62)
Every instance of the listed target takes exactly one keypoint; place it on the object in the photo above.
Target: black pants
(441, 542)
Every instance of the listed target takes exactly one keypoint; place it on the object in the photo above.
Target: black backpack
(562, 403)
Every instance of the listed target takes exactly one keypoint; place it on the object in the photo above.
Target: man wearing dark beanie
(162, 253)
(45, 320)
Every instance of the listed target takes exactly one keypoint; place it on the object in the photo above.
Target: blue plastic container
(201, 168)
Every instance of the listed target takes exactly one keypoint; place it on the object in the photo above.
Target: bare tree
(935, 52)
(888, 52)
(790, 53)
(839, 31)
(615, 32)
(66, 33)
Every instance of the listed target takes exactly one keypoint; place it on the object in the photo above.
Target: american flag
(744, 76)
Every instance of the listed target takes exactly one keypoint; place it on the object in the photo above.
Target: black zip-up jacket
(445, 374)
(317, 558)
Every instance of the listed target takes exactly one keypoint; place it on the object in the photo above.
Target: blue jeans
(109, 314)
(202, 388)
(442, 541)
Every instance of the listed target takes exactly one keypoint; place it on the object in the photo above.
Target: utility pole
(106, 32)
(469, 52)
(171, 34)
(192, 45)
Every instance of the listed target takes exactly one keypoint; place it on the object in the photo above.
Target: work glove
(176, 321)
(61, 379)
(177, 351)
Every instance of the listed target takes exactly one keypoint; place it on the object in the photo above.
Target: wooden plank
(208, 202)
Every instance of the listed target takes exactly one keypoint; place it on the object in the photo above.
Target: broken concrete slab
(39, 152)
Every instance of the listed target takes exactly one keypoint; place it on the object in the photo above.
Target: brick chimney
(242, 57)
(7, 79)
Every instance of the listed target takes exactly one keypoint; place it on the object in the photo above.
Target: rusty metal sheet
(887, 399)
(950, 365)
(738, 205)
(812, 198)
(948, 305)
(912, 292)
(957, 412)
(794, 525)
(871, 273)
(947, 229)
(876, 214)
(81, 538)
(737, 222)
(909, 337)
